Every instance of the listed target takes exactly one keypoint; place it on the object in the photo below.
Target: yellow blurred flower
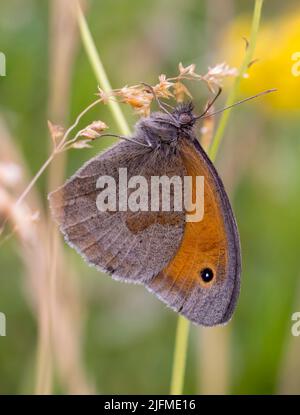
(278, 64)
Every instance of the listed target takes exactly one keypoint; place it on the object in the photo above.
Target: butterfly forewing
(131, 246)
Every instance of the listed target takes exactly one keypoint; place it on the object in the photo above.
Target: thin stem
(99, 70)
(180, 353)
(236, 85)
(101, 75)
(70, 129)
(34, 179)
(55, 151)
(182, 332)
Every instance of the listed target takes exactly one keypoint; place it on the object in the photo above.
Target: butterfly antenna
(159, 103)
(122, 137)
(211, 103)
(205, 115)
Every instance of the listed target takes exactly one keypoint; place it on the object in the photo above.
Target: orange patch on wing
(204, 243)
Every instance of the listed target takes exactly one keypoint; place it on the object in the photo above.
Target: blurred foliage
(278, 41)
(129, 335)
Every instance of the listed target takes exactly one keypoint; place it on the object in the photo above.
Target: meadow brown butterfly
(192, 266)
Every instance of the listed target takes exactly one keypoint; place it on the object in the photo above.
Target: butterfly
(193, 267)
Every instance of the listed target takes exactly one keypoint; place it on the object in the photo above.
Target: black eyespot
(207, 274)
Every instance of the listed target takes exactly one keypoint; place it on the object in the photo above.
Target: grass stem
(180, 353)
(99, 70)
(182, 332)
(236, 85)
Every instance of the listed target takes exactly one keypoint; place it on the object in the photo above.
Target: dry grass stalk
(65, 310)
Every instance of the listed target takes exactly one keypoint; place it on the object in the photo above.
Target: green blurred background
(125, 335)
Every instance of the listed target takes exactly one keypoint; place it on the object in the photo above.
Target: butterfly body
(194, 267)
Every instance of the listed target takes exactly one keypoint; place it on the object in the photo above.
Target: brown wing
(212, 243)
(132, 246)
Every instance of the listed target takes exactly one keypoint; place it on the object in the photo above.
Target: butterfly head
(184, 116)
(161, 129)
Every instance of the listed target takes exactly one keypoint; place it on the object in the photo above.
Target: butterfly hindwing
(212, 243)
